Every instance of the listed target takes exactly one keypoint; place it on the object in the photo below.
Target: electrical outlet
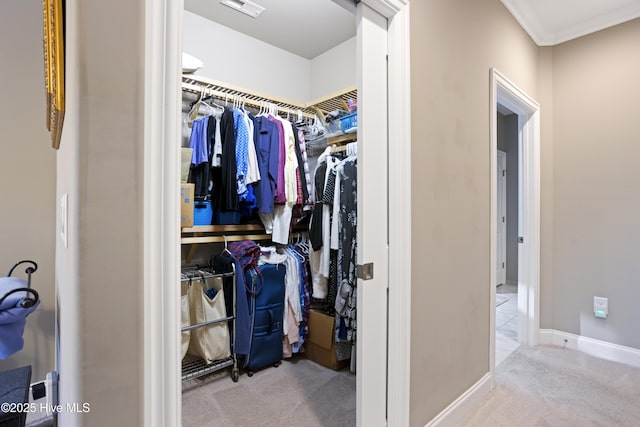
(601, 307)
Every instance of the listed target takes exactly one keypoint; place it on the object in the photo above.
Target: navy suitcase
(265, 294)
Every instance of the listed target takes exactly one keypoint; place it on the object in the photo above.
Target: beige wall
(27, 175)
(589, 200)
(100, 167)
(454, 44)
(545, 98)
(597, 196)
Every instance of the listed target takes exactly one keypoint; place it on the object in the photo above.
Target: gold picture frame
(53, 39)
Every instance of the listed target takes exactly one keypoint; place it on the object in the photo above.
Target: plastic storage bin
(202, 213)
(226, 218)
(349, 123)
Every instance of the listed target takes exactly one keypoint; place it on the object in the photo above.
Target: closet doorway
(161, 377)
(515, 113)
(507, 235)
(373, 233)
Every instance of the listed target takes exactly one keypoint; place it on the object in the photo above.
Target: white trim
(399, 342)
(455, 413)
(373, 244)
(512, 282)
(511, 96)
(523, 13)
(502, 163)
(387, 8)
(161, 375)
(597, 348)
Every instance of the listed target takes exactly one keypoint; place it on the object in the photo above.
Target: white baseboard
(455, 413)
(591, 346)
(512, 282)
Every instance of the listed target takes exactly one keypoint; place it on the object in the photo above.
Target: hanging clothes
(307, 175)
(302, 177)
(333, 236)
(216, 158)
(241, 132)
(223, 264)
(225, 187)
(280, 194)
(267, 146)
(346, 300)
(253, 171)
(199, 143)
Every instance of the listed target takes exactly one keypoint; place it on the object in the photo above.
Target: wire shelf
(337, 101)
(194, 367)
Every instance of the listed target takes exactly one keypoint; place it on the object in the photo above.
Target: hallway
(506, 321)
(552, 386)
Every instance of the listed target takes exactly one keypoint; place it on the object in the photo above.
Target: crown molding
(545, 35)
(388, 8)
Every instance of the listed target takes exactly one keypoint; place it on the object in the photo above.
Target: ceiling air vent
(244, 6)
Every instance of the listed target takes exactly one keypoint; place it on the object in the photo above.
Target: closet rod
(210, 322)
(221, 239)
(247, 98)
(205, 276)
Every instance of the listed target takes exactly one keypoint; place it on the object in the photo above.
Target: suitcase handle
(253, 279)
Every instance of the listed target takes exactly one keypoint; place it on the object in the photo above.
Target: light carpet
(297, 393)
(555, 387)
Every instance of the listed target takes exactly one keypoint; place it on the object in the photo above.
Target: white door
(501, 226)
(373, 246)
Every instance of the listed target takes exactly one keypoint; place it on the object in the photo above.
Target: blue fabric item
(247, 206)
(266, 138)
(211, 293)
(265, 294)
(242, 151)
(342, 330)
(243, 320)
(198, 141)
(12, 316)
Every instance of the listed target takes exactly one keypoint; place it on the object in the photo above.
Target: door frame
(505, 92)
(502, 163)
(162, 70)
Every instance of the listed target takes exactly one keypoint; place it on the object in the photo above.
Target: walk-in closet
(269, 213)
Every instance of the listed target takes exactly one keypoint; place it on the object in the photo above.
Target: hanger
(195, 108)
(210, 102)
(226, 248)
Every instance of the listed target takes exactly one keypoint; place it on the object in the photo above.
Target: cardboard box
(321, 345)
(185, 164)
(186, 204)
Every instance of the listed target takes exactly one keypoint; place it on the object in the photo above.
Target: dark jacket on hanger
(266, 138)
(315, 230)
(303, 178)
(223, 264)
(225, 189)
